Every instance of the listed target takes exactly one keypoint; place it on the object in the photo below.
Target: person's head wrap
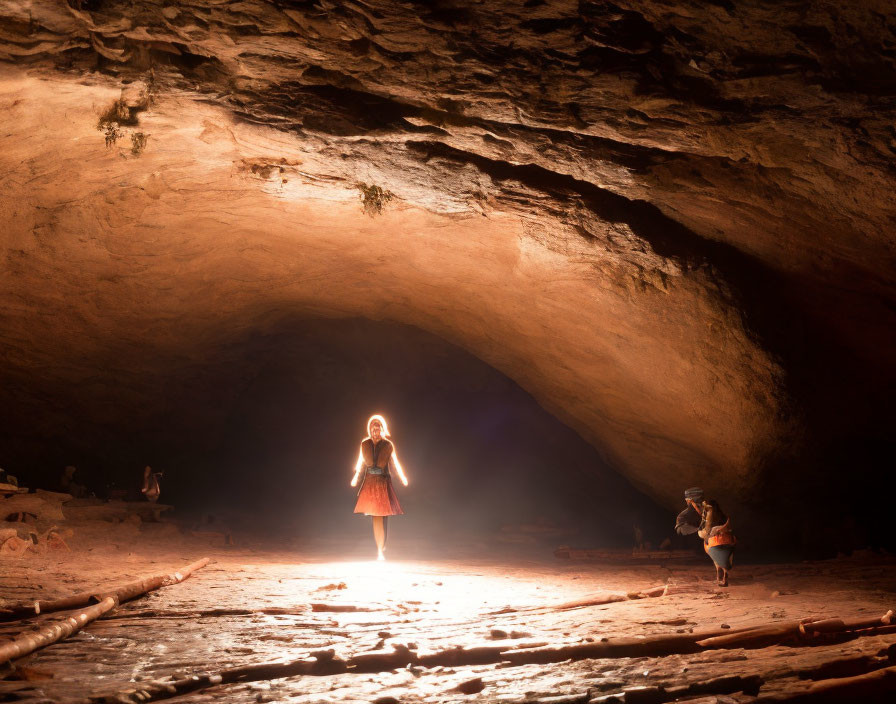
(688, 521)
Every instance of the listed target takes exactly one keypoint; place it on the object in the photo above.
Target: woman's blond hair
(382, 422)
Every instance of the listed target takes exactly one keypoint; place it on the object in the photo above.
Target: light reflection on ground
(424, 605)
(433, 588)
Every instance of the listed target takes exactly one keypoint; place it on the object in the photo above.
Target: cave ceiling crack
(742, 282)
(401, 117)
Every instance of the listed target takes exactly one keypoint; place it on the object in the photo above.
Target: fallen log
(861, 623)
(461, 657)
(749, 684)
(684, 643)
(655, 591)
(596, 600)
(121, 594)
(793, 630)
(382, 660)
(211, 613)
(53, 632)
(843, 689)
(650, 646)
(326, 663)
(756, 638)
(141, 586)
(845, 667)
(610, 598)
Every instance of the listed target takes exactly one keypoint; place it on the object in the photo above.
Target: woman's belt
(381, 471)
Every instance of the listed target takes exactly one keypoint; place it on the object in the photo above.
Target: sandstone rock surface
(672, 223)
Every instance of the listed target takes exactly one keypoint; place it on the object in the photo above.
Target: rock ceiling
(671, 222)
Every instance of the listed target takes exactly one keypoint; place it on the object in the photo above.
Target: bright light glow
(358, 466)
(393, 460)
(438, 591)
(382, 421)
(397, 465)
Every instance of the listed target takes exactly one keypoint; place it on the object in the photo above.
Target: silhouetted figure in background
(376, 497)
(639, 537)
(68, 484)
(151, 488)
(705, 518)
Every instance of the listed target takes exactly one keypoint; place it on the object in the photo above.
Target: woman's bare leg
(379, 534)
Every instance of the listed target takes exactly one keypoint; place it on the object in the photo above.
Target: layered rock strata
(672, 223)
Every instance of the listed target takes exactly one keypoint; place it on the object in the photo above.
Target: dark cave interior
(265, 428)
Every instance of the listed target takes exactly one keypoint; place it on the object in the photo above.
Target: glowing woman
(376, 497)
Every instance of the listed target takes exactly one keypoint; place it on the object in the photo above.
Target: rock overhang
(659, 249)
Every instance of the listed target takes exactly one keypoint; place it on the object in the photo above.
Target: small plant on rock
(373, 198)
(117, 116)
(111, 132)
(138, 142)
(112, 120)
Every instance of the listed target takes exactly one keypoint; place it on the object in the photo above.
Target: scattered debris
(332, 587)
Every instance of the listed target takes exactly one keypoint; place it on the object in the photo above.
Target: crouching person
(705, 518)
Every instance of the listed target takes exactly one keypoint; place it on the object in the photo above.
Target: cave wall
(669, 222)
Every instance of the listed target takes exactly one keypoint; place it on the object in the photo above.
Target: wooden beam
(123, 593)
(26, 643)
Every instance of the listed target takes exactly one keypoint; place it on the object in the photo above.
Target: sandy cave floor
(428, 605)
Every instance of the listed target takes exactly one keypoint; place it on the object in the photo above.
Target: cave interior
(581, 255)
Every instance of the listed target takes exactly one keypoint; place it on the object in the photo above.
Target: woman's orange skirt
(377, 497)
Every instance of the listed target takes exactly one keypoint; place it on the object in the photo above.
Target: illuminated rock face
(671, 223)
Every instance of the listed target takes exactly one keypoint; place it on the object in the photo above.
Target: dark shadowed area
(274, 453)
